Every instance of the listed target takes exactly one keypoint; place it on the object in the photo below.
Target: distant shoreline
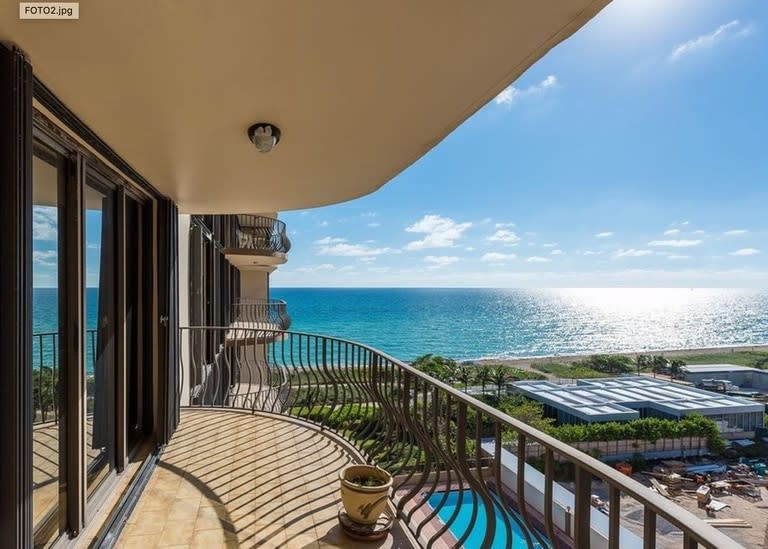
(522, 362)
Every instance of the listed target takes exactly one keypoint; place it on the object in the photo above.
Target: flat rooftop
(719, 368)
(621, 398)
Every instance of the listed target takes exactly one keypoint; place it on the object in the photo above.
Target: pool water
(475, 539)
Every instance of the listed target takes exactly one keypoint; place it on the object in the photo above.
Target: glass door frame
(83, 165)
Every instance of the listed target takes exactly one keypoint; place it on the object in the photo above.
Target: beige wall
(254, 284)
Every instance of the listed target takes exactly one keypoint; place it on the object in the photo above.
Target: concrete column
(254, 282)
(184, 354)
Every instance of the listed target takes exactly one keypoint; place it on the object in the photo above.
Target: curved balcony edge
(438, 442)
(257, 233)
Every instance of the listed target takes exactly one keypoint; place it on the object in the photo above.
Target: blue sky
(633, 154)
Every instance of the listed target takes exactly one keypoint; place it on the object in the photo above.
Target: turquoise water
(463, 520)
(509, 323)
(45, 321)
(485, 323)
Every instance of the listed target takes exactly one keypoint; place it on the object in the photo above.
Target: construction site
(729, 497)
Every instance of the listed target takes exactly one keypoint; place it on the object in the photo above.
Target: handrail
(46, 370)
(261, 313)
(259, 233)
(432, 437)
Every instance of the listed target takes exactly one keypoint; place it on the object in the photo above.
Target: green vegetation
(463, 375)
(650, 429)
(44, 391)
(609, 364)
(753, 359)
(597, 366)
(437, 366)
(526, 410)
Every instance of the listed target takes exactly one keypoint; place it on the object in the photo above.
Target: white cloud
(698, 231)
(732, 29)
(735, 232)
(470, 248)
(590, 252)
(675, 256)
(537, 259)
(675, 243)
(93, 246)
(745, 252)
(441, 260)
(323, 223)
(556, 252)
(374, 224)
(352, 250)
(44, 223)
(503, 225)
(441, 232)
(369, 214)
(604, 234)
(671, 232)
(504, 236)
(511, 95)
(316, 268)
(45, 258)
(367, 258)
(549, 245)
(497, 257)
(330, 240)
(631, 253)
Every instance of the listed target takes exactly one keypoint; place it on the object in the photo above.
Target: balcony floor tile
(231, 479)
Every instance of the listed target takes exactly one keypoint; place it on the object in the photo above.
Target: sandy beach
(527, 362)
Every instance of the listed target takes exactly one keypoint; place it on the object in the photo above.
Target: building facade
(635, 397)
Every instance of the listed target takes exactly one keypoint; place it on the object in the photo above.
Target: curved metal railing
(259, 233)
(459, 465)
(262, 313)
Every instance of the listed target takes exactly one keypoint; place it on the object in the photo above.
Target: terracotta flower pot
(364, 504)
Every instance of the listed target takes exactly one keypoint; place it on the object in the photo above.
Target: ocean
(467, 324)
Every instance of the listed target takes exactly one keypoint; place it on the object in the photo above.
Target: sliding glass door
(100, 334)
(48, 501)
(92, 365)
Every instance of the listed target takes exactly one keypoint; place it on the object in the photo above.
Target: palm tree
(464, 374)
(500, 376)
(676, 368)
(659, 364)
(484, 376)
(436, 366)
(642, 362)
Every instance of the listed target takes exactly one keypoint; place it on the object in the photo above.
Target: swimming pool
(475, 539)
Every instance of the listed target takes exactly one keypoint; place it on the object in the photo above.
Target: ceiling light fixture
(264, 136)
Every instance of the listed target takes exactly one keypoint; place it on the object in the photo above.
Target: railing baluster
(549, 479)
(583, 508)
(614, 516)
(649, 528)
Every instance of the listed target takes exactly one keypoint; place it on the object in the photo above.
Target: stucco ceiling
(360, 89)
